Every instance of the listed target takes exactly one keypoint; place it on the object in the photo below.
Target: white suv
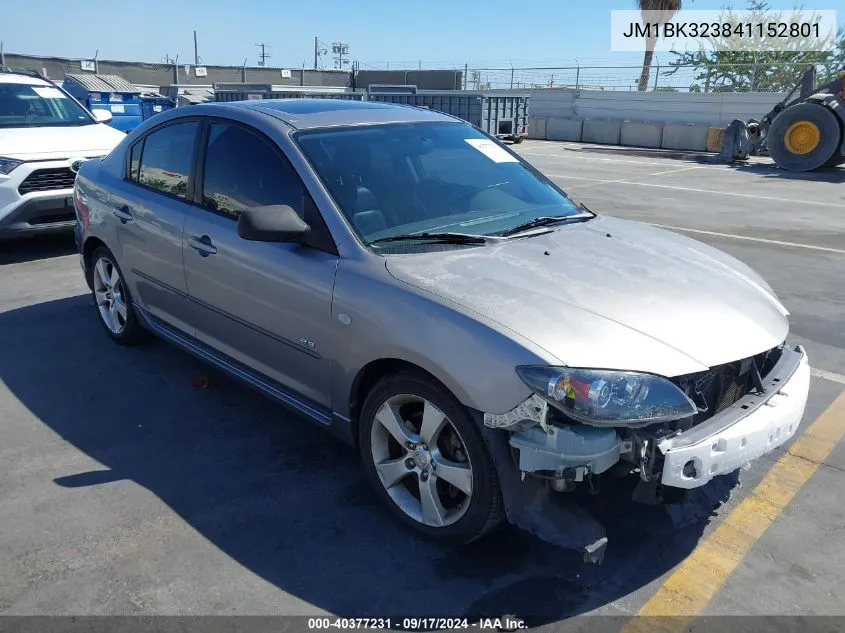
(45, 134)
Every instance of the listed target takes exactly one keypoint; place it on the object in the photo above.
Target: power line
(263, 55)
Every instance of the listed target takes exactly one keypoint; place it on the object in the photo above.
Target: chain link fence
(662, 78)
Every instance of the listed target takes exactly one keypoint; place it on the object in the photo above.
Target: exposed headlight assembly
(603, 397)
(8, 164)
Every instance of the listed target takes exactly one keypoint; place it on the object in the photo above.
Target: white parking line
(824, 249)
(828, 375)
(752, 196)
(607, 160)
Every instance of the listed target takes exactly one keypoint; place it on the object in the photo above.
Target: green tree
(660, 11)
(732, 64)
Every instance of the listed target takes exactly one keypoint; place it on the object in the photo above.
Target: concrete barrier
(537, 128)
(641, 134)
(687, 136)
(603, 131)
(564, 129)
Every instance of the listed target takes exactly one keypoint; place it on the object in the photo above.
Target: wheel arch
(370, 374)
(91, 244)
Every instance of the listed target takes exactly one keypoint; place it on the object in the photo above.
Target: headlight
(608, 398)
(8, 164)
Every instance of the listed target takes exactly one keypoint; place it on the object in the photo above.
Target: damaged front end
(585, 427)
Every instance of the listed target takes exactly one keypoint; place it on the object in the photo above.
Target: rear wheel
(804, 137)
(112, 299)
(426, 459)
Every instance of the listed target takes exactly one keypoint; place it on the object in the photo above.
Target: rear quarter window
(135, 160)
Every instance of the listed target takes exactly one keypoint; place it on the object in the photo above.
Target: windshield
(398, 179)
(25, 105)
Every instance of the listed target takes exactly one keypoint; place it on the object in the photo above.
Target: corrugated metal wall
(422, 79)
(161, 74)
(716, 109)
(158, 74)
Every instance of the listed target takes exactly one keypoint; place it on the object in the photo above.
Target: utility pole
(2, 55)
(196, 51)
(263, 55)
(340, 50)
(316, 52)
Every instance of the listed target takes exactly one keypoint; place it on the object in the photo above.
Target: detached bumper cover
(751, 427)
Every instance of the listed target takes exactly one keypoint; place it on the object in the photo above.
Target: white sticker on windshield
(491, 150)
(47, 92)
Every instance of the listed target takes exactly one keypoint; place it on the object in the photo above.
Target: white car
(45, 135)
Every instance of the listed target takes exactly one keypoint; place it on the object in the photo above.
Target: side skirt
(338, 425)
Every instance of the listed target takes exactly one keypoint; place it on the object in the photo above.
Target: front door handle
(202, 244)
(123, 214)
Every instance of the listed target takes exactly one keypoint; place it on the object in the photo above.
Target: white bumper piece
(751, 427)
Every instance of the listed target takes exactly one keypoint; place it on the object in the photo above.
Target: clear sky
(490, 32)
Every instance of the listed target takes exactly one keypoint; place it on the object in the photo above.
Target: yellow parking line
(694, 583)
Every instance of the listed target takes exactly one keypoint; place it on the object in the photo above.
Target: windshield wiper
(450, 238)
(548, 220)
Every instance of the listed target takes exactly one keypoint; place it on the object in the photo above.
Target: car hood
(610, 293)
(55, 142)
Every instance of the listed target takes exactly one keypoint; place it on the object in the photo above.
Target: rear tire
(786, 154)
(112, 300)
(395, 428)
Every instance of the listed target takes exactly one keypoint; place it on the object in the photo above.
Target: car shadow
(286, 500)
(28, 249)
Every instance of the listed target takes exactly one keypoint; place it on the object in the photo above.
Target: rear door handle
(123, 214)
(202, 244)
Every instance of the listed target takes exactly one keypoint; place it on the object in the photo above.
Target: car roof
(316, 113)
(14, 78)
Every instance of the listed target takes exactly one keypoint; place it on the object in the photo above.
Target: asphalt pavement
(139, 481)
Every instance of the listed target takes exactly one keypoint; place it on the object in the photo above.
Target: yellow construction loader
(800, 134)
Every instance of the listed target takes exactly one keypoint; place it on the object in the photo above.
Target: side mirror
(102, 116)
(274, 223)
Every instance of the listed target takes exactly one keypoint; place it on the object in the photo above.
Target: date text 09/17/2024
(504, 623)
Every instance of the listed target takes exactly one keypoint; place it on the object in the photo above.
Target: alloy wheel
(109, 295)
(421, 460)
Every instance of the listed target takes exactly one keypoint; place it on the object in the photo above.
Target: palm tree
(663, 11)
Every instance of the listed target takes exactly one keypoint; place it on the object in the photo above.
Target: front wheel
(425, 457)
(804, 137)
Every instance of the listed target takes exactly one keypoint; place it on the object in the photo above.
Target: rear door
(151, 207)
(266, 305)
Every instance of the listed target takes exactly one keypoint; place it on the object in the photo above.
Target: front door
(266, 305)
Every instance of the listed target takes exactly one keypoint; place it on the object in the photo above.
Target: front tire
(804, 137)
(112, 299)
(425, 457)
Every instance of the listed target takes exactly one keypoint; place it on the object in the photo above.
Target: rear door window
(167, 157)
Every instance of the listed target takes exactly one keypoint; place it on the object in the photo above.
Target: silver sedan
(423, 293)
